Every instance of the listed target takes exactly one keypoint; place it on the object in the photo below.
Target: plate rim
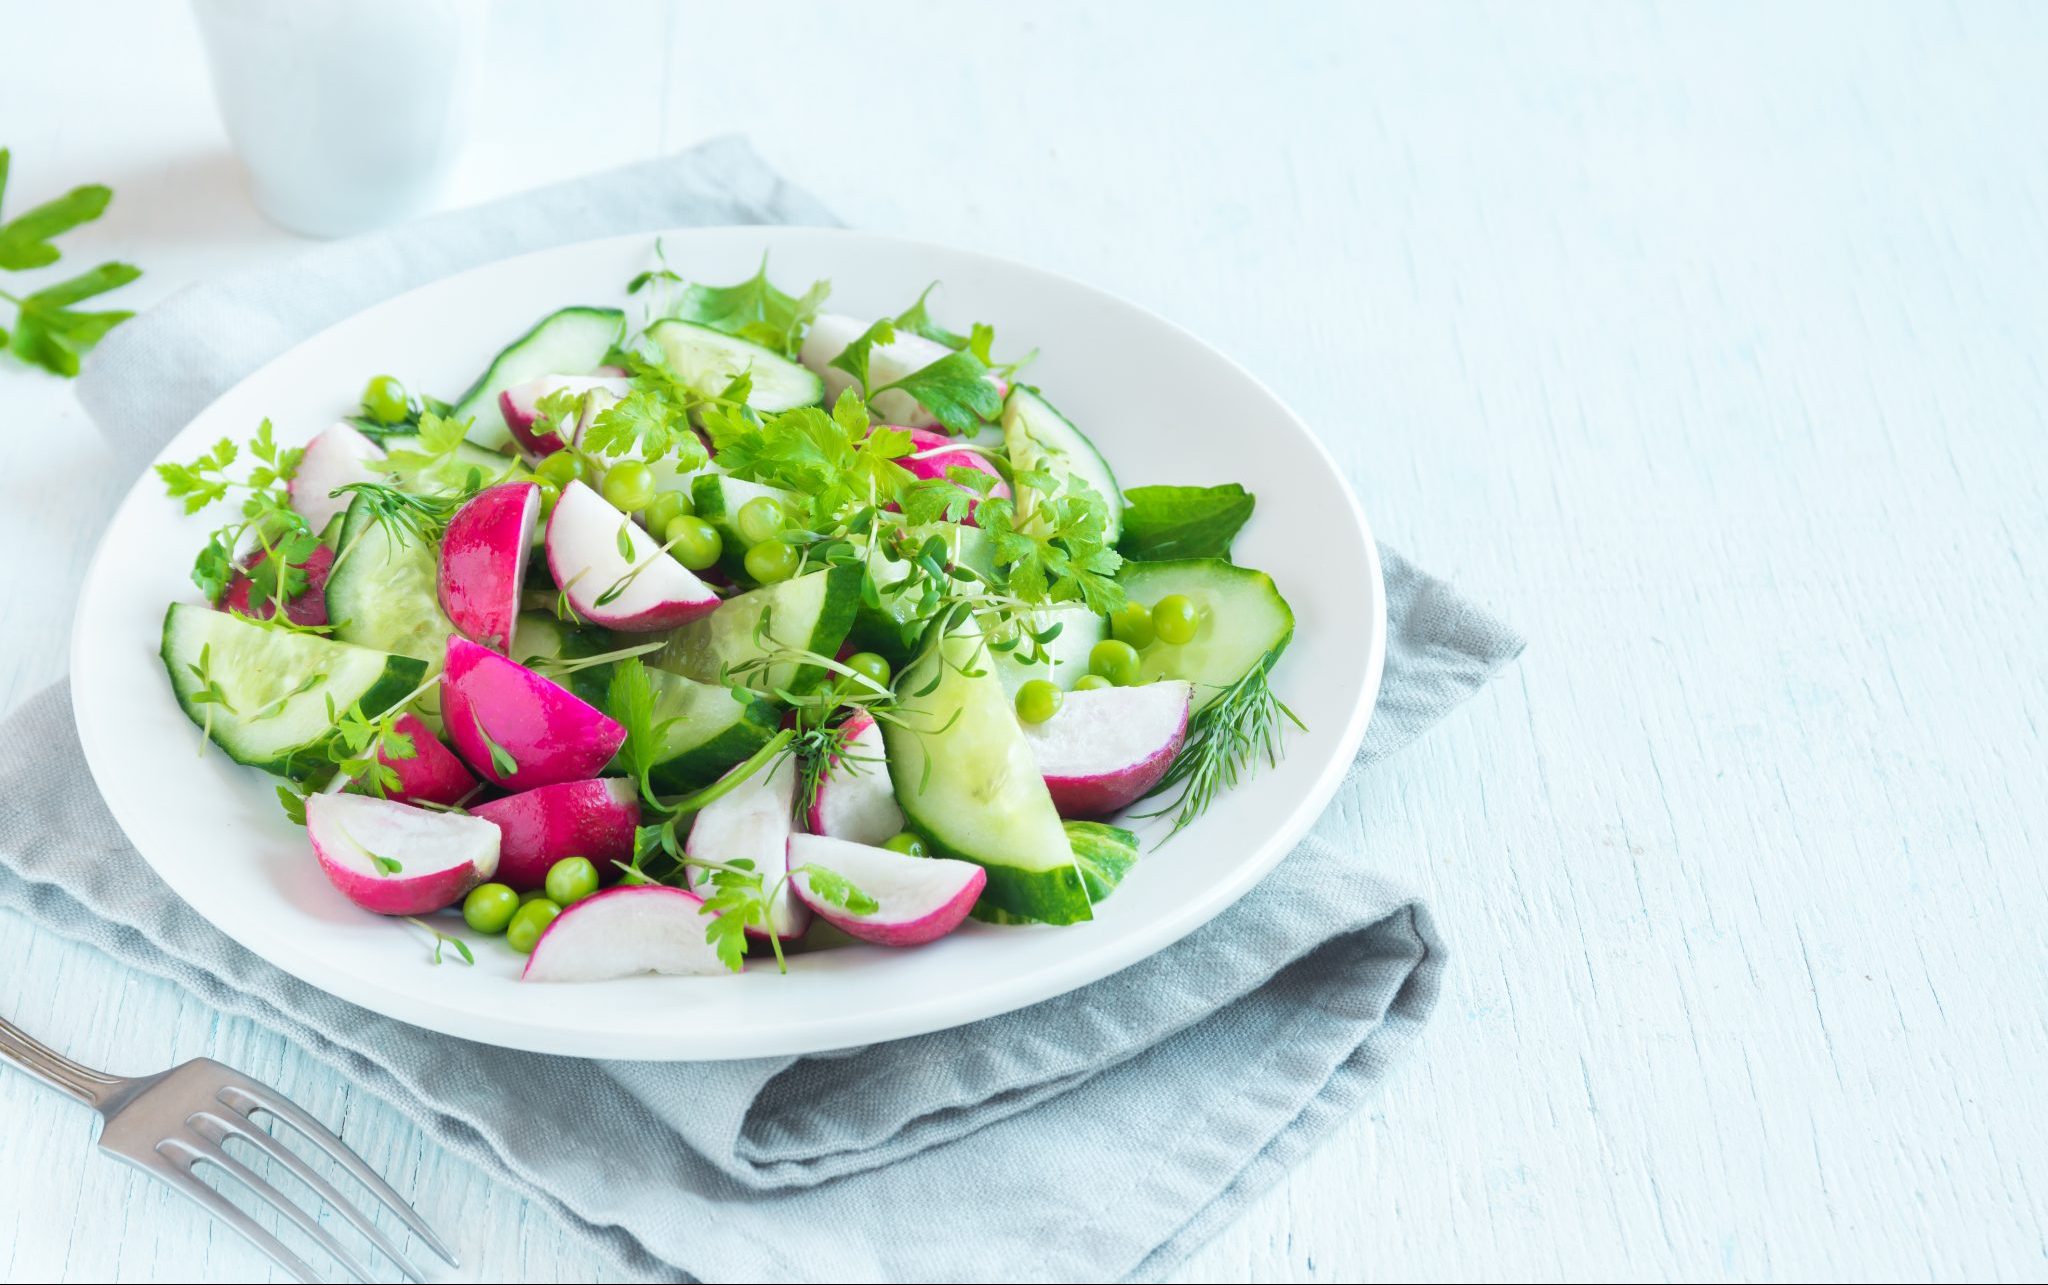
(869, 1026)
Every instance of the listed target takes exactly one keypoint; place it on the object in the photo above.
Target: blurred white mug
(347, 113)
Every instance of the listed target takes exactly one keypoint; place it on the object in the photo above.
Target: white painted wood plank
(1705, 345)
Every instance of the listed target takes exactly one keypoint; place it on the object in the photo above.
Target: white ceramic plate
(1163, 406)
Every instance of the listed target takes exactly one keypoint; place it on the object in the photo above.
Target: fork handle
(53, 1068)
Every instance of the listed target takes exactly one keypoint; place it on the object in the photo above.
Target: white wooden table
(1709, 350)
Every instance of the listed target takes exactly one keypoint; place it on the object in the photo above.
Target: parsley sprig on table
(49, 329)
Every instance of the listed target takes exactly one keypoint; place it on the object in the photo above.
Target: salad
(674, 635)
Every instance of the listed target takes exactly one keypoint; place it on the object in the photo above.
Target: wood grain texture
(1705, 346)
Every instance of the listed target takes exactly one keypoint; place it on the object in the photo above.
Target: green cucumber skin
(974, 751)
(492, 433)
(835, 622)
(1208, 578)
(807, 388)
(704, 763)
(402, 674)
(841, 600)
(1096, 843)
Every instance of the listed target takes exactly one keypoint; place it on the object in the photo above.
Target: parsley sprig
(265, 518)
(49, 329)
(754, 309)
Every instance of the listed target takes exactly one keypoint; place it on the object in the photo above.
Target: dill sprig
(1224, 744)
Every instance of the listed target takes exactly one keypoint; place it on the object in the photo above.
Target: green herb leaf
(917, 319)
(48, 330)
(25, 239)
(502, 761)
(853, 359)
(754, 310)
(955, 389)
(835, 889)
(1162, 523)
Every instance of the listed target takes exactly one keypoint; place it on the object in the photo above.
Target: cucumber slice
(1103, 853)
(717, 499)
(715, 727)
(381, 593)
(568, 342)
(453, 476)
(541, 637)
(277, 684)
(1036, 435)
(1061, 661)
(813, 612)
(707, 360)
(966, 780)
(1245, 621)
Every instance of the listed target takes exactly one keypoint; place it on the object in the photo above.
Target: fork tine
(209, 1124)
(251, 1095)
(180, 1180)
(210, 1150)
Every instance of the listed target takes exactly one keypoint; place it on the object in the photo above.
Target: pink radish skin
(752, 823)
(442, 855)
(584, 557)
(338, 456)
(593, 819)
(623, 932)
(308, 608)
(483, 562)
(433, 774)
(520, 404)
(855, 799)
(919, 899)
(550, 734)
(1107, 746)
(941, 458)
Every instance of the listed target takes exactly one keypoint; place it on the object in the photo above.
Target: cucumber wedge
(813, 612)
(381, 593)
(966, 780)
(1103, 853)
(569, 342)
(715, 727)
(707, 360)
(1061, 661)
(1245, 621)
(540, 638)
(1036, 435)
(276, 684)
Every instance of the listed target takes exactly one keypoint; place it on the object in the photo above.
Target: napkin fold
(1099, 1135)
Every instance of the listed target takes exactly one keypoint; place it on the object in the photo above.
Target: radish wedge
(752, 823)
(856, 800)
(593, 819)
(520, 404)
(917, 899)
(622, 932)
(338, 456)
(1108, 745)
(483, 561)
(396, 859)
(934, 453)
(515, 728)
(432, 774)
(307, 607)
(587, 543)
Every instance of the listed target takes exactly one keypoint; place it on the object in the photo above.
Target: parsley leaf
(955, 389)
(854, 358)
(48, 331)
(1167, 522)
(917, 319)
(835, 889)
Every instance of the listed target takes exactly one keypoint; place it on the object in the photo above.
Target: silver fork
(167, 1123)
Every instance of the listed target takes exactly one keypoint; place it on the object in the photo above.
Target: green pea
(761, 519)
(907, 842)
(570, 880)
(1131, 623)
(549, 493)
(1175, 618)
(1038, 701)
(489, 907)
(666, 508)
(529, 922)
(771, 562)
(869, 666)
(629, 486)
(562, 468)
(1090, 682)
(693, 542)
(1115, 660)
(384, 400)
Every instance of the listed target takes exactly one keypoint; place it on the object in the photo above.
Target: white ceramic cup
(347, 113)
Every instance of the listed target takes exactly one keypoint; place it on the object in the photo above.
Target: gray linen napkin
(1100, 1135)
